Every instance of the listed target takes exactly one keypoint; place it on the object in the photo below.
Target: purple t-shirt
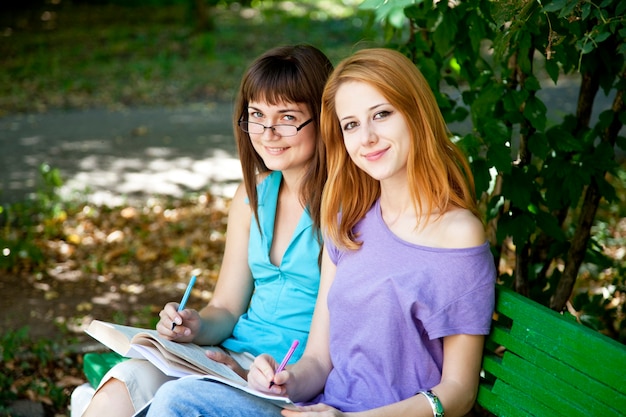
(391, 303)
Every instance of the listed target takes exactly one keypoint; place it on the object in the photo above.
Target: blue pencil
(181, 306)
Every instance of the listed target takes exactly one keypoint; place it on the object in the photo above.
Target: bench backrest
(550, 365)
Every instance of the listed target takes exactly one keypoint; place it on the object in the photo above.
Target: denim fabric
(190, 397)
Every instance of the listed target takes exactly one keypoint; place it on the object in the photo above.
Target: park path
(123, 155)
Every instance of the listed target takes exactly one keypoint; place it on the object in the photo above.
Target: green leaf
(476, 30)
(538, 145)
(524, 43)
(494, 206)
(496, 132)
(517, 187)
(602, 36)
(429, 70)
(519, 226)
(585, 45)
(564, 182)
(562, 140)
(532, 84)
(605, 119)
(601, 159)
(550, 225)
(482, 177)
(389, 11)
(456, 68)
(568, 8)
(535, 112)
(500, 157)
(370, 4)
(459, 114)
(444, 34)
(606, 189)
(483, 105)
(575, 184)
(554, 6)
(586, 9)
(513, 99)
(470, 144)
(396, 17)
(553, 69)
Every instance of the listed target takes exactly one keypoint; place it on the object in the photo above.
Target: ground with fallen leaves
(120, 265)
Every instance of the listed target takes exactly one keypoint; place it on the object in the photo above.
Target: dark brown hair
(295, 74)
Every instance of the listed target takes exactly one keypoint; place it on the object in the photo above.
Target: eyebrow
(282, 111)
(374, 107)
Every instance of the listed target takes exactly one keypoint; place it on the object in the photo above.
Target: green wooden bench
(536, 363)
(551, 365)
(97, 364)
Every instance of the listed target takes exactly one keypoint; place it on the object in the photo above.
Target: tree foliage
(541, 181)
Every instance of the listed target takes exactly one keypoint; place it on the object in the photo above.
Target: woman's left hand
(315, 410)
(227, 360)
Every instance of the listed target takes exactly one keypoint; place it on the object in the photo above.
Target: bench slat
(96, 365)
(580, 356)
(544, 386)
(551, 366)
(573, 341)
(500, 405)
(524, 401)
(586, 387)
(538, 398)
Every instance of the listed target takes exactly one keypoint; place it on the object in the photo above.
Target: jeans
(192, 397)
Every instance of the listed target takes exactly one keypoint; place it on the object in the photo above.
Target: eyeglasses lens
(257, 128)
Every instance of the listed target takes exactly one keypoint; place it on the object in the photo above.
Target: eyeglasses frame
(273, 127)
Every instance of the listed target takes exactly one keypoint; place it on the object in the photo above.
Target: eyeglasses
(280, 130)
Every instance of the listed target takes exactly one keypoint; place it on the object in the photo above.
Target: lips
(275, 151)
(375, 155)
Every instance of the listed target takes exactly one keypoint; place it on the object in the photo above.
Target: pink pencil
(282, 365)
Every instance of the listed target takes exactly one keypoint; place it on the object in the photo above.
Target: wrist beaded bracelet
(435, 404)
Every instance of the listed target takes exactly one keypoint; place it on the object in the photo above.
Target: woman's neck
(396, 204)
(395, 197)
(292, 182)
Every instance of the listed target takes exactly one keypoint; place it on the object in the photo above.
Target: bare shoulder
(239, 205)
(460, 228)
(241, 195)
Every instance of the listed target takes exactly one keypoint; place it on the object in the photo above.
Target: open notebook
(173, 358)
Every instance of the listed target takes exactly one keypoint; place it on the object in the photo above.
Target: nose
(368, 134)
(269, 134)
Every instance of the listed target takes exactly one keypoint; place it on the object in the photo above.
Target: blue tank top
(284, 296)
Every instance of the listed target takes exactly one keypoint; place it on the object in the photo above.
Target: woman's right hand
(187, 322)
(262, 374)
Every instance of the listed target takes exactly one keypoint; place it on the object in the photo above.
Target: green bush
(541, 182)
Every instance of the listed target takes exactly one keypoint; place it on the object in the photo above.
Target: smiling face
(375, 134)
(291, 153)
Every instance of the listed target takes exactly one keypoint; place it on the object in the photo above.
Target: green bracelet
(435, 404)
